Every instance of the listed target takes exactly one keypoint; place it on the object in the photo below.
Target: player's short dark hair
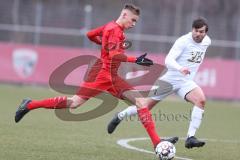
(199, 23)
(134, 9)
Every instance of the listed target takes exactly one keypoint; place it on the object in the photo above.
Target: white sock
(131, 110)
(196, 119)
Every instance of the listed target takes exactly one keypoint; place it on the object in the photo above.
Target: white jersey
(185, 53)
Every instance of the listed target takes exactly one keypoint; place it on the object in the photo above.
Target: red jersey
(111, 38)
(102, 76)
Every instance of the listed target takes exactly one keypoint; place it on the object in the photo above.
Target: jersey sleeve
(174, 53)
(95, 35)
(112, 39)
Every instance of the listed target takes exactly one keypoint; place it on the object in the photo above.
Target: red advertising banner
(34, 65)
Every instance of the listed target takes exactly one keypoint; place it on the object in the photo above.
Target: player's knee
(141, 102)
(201, 102)
(74, 105)
(74, 102)
(138, 104)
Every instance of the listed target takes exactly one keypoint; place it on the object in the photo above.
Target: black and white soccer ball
(165, 150)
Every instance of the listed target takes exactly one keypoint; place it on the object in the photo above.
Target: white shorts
(163, 88)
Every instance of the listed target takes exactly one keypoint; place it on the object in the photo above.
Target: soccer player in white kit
(182, 62)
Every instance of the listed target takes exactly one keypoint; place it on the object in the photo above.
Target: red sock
(146, 118)
(51, 103)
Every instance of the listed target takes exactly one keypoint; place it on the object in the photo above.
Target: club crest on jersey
(24, 62)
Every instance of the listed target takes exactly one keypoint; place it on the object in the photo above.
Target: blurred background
(64, 22)
(48, 32)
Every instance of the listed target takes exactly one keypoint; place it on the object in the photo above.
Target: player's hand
(185, 71)
(142, 60)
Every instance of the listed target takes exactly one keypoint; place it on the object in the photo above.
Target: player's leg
(195, 95)
(159, 91)
(129, 111)
(49, 103)
(132, 110)
(144, 114)
(28, 104)
(86, 91)
(90, 88)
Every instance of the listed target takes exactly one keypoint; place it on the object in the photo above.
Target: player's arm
(95, 35)
(111, 37)
(173, 54)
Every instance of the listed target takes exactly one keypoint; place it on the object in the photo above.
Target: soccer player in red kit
(103, 75)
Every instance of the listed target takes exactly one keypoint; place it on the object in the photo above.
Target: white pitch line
(124, 143)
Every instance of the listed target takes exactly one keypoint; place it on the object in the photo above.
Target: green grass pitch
(41, 135)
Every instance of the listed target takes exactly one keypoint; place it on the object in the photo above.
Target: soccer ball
(165, 150)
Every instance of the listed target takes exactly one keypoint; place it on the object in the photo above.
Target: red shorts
(104, 82)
